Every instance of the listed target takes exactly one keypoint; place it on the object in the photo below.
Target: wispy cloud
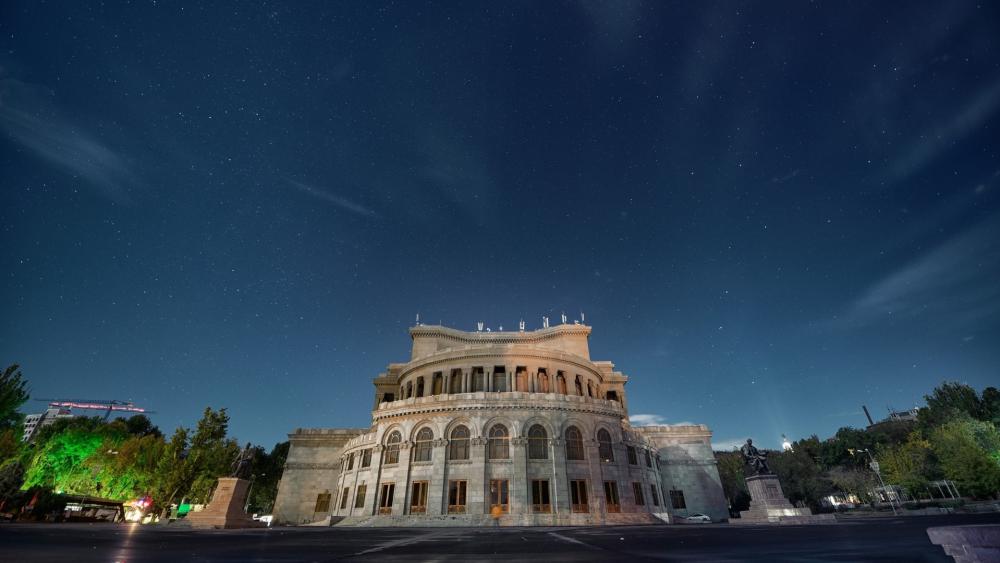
(29, 120)
(955, 282)
(728, 444)
(935, 141)
(646, 420)
(655, 420)
(341, 202)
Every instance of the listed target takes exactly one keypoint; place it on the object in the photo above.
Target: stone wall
(312, 468)
(687, 464)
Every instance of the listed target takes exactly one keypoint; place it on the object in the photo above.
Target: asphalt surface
(870, 539)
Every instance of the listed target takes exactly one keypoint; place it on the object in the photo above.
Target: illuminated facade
(522, 426)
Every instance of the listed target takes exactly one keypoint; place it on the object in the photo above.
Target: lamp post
(874, 466)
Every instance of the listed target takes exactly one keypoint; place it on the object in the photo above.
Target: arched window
(458, 446)
(604, 448)
(579, 386)
(499, 444)
(392, 447)
(422, 451)
(574, 443)
(420, 386)
(538, 443)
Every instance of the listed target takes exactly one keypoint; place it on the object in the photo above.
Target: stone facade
(519, 426)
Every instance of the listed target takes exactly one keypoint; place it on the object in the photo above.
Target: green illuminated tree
(13, 394)
(969, 452)
(949, 401)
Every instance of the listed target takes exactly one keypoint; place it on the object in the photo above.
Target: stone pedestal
(226, 508)
(768, 505)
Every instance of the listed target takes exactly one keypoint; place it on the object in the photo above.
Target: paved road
(874, 539)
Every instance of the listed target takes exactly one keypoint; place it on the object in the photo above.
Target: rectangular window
(637, 492)
(385, 498)
(500, 494)
(611, 496)
(649, 460)
(655, 496)
(344, 496)
(578, 496)
(418, 497)
(366, 458)
(322, 503)
(350, 462)
(677, 499)
(540, 496)
(359, 496)
(632, 460)
(456, 497)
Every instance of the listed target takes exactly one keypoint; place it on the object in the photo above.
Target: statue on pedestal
(241, 465)
(756, 459)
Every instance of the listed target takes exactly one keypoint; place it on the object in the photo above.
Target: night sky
(770, 213)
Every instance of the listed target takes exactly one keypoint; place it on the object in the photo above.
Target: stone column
(436, 488)
(476, 488)
(560, 482)
(519, 486)
(598, 505)
(510, 381)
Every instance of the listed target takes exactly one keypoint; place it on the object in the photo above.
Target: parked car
(698, 518)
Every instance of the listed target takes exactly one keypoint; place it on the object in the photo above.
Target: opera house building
(522, 427)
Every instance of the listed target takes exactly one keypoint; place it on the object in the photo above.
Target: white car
(698, 518)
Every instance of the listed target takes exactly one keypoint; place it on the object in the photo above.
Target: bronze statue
(241, 465)
(756, 459)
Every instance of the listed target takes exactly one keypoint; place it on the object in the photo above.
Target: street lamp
(875, 467)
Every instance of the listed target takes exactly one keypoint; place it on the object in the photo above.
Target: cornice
(506, 337)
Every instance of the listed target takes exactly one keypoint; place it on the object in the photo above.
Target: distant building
(33, 422)
(519, 426)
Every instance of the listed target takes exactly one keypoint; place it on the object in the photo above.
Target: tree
(910, 465)
(800, 473)
(991, 406)
(734, 484)
(266, 473)
(949, 401)
(969, 452)
(13, 394)
(854, 481)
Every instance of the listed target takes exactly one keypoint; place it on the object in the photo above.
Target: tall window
(632, 459)
(611, 496)
(392, 448)
(499, 444)
(574, 443)
(385, 499)
(579, 386)
(500, 494)
(637, 493)
(458, 447)
(366, 458)
(649, 459)
(456, 497)
(422, 451)
(604, 448)
(677, 499)
(540, 496)
(418, 498)
(654, 495)
(350, 462)
(344, 496)
(359, 497)
(543, 383)
(322, 503)
(538, 443)
(578, 496)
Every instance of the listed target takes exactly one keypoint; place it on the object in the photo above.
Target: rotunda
(520, 427)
